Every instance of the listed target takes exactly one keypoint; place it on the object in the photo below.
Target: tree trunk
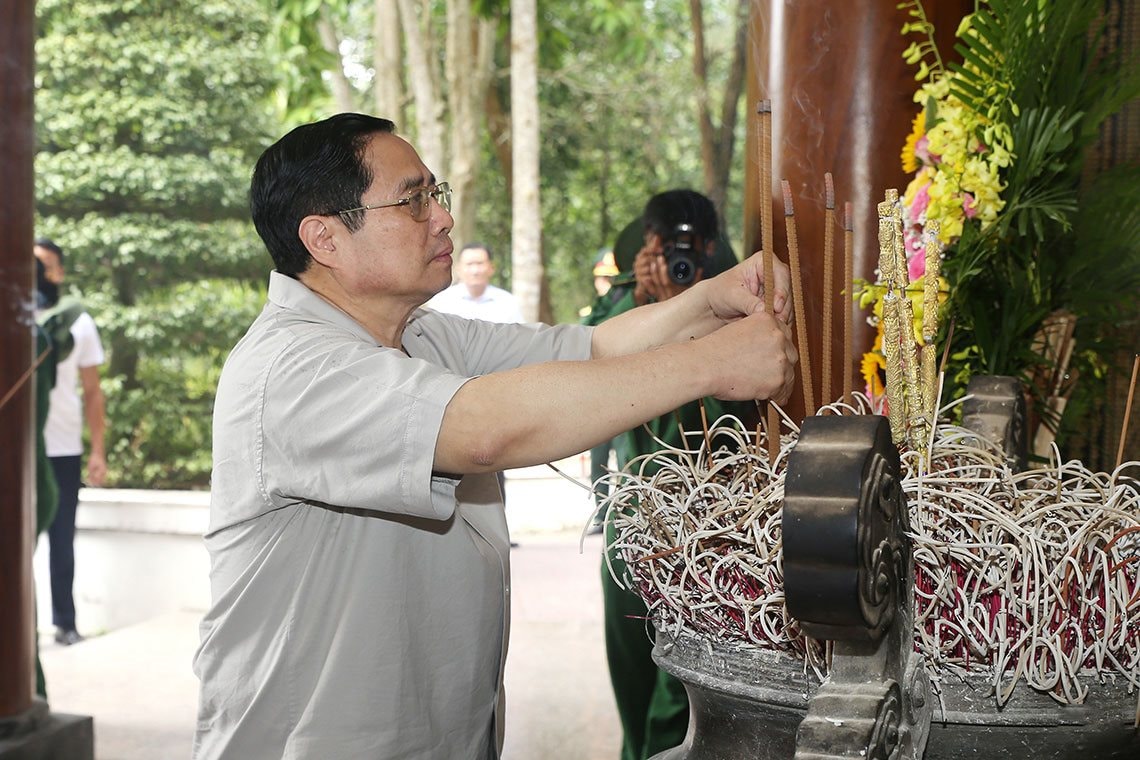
(526, 211)
(718, 142)
(416, 22)
(704, 111)
(338, 82)
(468, 69)
(499, 127)
(124, 351)
(388, 82)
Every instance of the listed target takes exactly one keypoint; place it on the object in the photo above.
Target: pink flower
(922, 151)
(920, 202)
(969, 205)
(916, 261)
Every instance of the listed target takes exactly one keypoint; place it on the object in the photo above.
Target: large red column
(842, 103)
(27, 728)
(17, 520)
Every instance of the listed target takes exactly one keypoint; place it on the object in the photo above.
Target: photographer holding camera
(681, 246)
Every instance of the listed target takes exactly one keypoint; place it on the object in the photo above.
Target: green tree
(622, 105)
(149, 115)
(619, 123)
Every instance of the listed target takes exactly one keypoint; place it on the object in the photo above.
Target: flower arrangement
(997, 154)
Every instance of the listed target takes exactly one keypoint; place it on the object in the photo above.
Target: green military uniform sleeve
(619, 299)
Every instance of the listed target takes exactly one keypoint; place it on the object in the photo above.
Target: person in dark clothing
(680, 245)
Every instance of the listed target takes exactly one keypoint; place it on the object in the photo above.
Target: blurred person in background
(63, 433)
(474, 296)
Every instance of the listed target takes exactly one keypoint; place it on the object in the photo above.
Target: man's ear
(317, 237)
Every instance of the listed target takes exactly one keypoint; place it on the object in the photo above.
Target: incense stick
(933, 268)
(798, 294)
(828, 286)
(848, 280)
(24, 378)
(705, 429)
(767, 246)
(892, 329)
(946, 348)
(766, 234)
(1127, 411)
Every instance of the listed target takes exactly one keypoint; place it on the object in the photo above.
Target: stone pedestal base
(42, 735)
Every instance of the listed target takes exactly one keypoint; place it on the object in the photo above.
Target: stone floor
(137, 683)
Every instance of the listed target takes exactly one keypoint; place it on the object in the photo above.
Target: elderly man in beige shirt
(360, 565)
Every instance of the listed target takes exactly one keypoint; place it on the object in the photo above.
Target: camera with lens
(683, 254)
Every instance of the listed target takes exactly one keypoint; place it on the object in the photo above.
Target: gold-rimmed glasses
(418, 201)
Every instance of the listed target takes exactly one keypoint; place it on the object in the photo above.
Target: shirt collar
(289, 293)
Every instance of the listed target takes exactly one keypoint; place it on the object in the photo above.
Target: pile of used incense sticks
(1023, 577)
(1030, 577)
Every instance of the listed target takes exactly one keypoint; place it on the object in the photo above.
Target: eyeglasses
(418, 202)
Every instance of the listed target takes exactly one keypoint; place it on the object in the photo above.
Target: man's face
(475, 270)
(392, 254)
(53, 267)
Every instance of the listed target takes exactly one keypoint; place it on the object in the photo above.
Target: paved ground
(137, 684)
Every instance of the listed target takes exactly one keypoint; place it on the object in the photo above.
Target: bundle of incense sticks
(807, 377)
(933, 253)
(912, 384)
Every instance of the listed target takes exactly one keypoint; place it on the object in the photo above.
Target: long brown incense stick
(766, 232)
(705, 428)
(848, 281)
(946, 348)
(798, 296)
(828, 286)
(1127, 411)
(24, 378)
(767, 246)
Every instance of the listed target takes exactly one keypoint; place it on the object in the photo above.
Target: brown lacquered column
(17, 449)
(842, 103)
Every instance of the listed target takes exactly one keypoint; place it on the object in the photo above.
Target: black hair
(316, 168)
(47, 293)
(480, 246)
(666, 210)
(50, 245)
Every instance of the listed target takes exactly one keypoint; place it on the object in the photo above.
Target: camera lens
(681, 269)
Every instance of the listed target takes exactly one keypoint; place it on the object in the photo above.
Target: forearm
(94, 413)
(544, 412)
(677, 319)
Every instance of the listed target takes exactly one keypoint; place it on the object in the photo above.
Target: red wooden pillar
(17, 520)
(27, 727)
(842, 103)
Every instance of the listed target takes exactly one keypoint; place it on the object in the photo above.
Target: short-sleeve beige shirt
(360, 601)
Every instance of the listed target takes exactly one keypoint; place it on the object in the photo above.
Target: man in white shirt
(474, 297)
(63, 439)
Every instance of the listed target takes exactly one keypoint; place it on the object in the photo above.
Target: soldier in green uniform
(675, 244)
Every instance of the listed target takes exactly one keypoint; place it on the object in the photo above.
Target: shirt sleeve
(88, 348)
(355, 426)
(481, 347)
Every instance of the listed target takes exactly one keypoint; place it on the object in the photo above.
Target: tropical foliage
(149, 114)
(999, 153)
